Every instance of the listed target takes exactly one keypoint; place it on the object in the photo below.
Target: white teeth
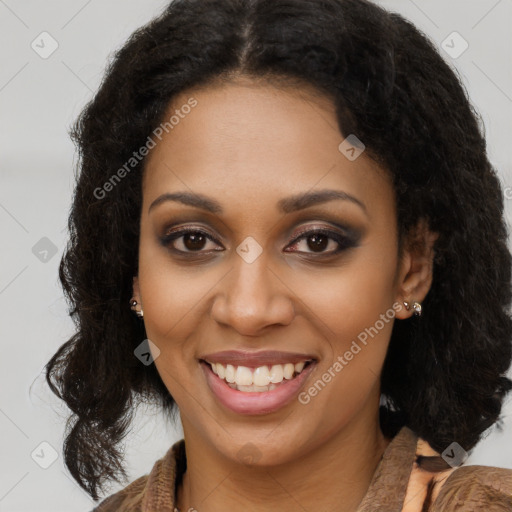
(221, 371)
(243, 376)
(261, 376)
(276, 373)
(257, 379)
(289, 368)
(299, 367)
(230, 373)
(254, 388)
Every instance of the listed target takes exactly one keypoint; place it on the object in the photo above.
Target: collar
(386, 491)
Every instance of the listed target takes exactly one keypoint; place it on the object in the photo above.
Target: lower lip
(263, 402)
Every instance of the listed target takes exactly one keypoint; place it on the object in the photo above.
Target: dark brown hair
(444, 374)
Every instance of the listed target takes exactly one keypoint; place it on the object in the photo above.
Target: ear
(416, 268)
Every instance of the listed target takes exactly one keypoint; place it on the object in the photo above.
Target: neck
(333, 476)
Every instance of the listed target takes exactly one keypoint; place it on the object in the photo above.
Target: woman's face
(259, 171)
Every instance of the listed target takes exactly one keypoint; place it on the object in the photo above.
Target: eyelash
(344, 242)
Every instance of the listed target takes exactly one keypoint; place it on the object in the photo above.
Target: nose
(253, 297)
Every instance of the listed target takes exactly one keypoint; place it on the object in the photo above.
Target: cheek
(168, 298)
(170, 292)
(356, 317)
(350, 373)
(169, 303)
(352, 297)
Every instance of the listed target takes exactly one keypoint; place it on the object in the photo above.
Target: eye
(189, 240)
(318, 240)
(195, 240)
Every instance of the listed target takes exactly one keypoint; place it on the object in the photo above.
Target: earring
(133, 304)
(415, 305)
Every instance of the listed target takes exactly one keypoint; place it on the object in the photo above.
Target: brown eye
(322, 242)
(194, 241)
(189, 240)
(318, 240)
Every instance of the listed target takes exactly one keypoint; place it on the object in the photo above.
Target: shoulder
(434, 488)
(476, 488)
(128, 499)
(151, 491)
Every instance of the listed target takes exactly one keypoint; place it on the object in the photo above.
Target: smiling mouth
(261, 379)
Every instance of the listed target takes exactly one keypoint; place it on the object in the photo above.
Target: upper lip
(255, 359)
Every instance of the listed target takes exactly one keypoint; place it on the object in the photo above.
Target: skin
(248, 145)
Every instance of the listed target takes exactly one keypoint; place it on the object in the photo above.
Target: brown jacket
(399, 484)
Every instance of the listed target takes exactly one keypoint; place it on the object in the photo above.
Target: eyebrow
(286, 205)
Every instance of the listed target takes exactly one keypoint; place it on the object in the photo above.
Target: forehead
(248, 143)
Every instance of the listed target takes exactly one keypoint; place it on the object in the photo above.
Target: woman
(286, 225)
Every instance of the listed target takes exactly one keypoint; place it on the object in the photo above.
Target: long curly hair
(445, 373)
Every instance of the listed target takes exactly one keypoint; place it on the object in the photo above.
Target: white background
(39, 99)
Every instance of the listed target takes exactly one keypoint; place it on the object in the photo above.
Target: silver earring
(133, 304)
(415, 305)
